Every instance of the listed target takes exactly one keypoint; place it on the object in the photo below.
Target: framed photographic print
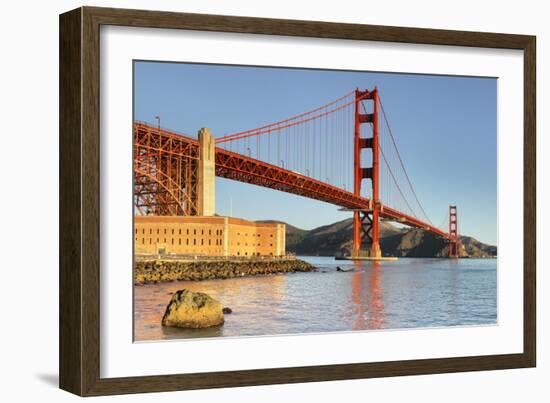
(276, 201)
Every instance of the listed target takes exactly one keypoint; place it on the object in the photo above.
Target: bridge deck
(242, 168)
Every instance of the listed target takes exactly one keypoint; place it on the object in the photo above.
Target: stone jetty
(156, 270)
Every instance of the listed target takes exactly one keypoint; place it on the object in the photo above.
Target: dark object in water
(227, 310)
(338, 268)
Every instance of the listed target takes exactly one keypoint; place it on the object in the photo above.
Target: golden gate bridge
(343, 153)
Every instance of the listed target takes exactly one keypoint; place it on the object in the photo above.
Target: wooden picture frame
(79, 346)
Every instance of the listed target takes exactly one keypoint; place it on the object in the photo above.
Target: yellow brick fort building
(207, 236)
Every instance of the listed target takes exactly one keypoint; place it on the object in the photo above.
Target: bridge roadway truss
(165, 178)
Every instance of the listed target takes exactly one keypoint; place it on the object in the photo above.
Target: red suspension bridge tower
(366, 222)
(454, 240)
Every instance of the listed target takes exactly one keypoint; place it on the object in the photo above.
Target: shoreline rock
(192, 310)
(153, 271)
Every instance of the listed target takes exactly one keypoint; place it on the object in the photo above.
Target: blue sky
(445, 128)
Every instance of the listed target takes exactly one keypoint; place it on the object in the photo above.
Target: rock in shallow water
(194, 310)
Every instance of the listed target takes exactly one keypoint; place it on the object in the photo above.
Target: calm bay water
(408, 293)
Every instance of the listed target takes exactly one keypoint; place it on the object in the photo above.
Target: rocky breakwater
(192, 310)
(150, 271)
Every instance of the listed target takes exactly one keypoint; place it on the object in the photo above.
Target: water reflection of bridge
(367, 297)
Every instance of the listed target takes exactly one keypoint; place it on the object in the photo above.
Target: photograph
(272, 200)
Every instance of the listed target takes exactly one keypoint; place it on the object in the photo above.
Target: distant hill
(332, 239)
